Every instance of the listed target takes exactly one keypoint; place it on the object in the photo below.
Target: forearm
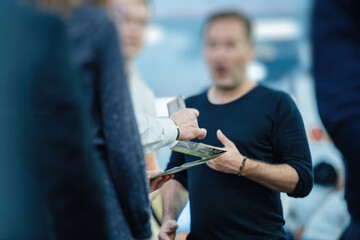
(151, 162)
(155, 133)
(278, 177)
(174, 199)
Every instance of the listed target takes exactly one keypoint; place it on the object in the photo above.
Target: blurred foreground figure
(49, 184)
(336, 40)
(97, 57)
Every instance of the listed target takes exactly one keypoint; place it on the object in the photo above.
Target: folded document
(206, 152)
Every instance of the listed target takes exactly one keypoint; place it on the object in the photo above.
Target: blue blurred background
(174, 46)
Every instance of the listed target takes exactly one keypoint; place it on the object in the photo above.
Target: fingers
(154, 183)
(223, 139)
(163, 181)
(158, 182)
(151, 173)
(168, 230)
(188, 124)
(163, 236)
(202, 133)
(195, 111)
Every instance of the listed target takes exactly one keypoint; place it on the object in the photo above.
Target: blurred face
(131, 18)
(228, 51)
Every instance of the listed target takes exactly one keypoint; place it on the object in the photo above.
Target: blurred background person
(50, 186)
(322, 215)
(336, 54)
(131, 17)
(233, 193)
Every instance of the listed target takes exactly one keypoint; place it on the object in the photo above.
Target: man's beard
(229, 87)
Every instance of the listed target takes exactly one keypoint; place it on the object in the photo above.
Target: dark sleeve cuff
(305, 183)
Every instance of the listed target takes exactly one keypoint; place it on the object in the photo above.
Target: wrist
(242, 166)
(167, 218)
(249, 167)
(237, 164)
(166, 221)
(177, 129)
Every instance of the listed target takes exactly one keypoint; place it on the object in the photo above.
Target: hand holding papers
(156, 181)
(205, 152)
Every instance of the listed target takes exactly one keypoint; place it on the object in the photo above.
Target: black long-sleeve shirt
(264, 125)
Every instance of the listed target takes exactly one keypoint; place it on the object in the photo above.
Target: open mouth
(221, 71)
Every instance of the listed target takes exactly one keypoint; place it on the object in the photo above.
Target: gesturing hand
(230, 161)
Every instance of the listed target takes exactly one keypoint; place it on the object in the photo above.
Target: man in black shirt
(237, 195)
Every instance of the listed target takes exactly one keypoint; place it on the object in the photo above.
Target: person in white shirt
(131, 17)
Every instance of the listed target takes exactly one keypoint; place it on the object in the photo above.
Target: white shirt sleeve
(155, 133)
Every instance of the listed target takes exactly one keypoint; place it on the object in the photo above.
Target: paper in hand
(176, 105)
(206, 152)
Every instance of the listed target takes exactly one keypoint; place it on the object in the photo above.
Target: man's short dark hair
(236, 15)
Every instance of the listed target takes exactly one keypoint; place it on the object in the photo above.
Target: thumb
(202, 133)
(223, 139)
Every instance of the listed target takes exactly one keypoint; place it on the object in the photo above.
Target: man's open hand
(230, 161)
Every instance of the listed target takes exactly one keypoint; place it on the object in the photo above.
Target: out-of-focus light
(257, 71)
(266, 52)
(277, 29)
(154, 35)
